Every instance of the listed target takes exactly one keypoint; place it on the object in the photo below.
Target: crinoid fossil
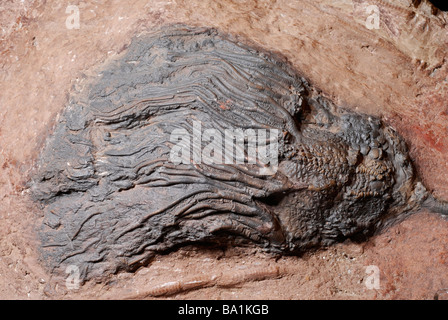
(190, 137)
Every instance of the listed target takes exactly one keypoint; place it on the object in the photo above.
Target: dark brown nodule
(113, 198)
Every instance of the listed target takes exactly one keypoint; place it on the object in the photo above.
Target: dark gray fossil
(112, 198)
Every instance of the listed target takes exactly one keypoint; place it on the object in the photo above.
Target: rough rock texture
(397, 72)
(114, 197)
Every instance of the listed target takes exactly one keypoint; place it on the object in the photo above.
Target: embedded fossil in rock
(216, 279)
(112, 197)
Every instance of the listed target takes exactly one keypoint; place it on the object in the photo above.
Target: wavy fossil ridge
(112, 198)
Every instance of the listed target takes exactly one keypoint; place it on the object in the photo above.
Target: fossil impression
(113, 197)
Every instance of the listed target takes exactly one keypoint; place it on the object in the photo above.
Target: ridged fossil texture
(113, 198)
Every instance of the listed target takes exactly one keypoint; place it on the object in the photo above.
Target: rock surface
(397, 72)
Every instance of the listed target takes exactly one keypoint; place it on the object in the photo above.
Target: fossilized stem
(436, 205)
